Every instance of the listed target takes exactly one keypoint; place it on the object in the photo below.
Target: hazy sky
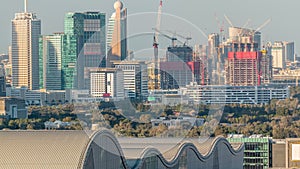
(183, 16)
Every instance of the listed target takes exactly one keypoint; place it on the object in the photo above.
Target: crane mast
(155, 45)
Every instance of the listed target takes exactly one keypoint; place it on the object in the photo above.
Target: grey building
(13, 107)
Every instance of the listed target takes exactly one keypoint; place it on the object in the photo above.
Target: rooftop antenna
(25, 6)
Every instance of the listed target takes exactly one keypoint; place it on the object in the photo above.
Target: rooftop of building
(71, 149)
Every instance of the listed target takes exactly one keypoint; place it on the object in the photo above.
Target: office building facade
(212, 94)
(50, 61)
(289, 49)
(107, 82)
(278, 53)
(257, 152)
(135, 78)
(90, 32)
(26, 29)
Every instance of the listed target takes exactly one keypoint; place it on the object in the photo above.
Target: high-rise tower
(90, 32)
(117, 34)
(26, 29)
(50, 72)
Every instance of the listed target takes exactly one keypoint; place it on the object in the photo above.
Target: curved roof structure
(101, 149)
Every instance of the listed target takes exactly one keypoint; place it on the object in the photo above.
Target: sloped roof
(42, 149)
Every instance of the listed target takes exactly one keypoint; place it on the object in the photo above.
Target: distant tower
(278, 52)
(117, 34)
(26, 29)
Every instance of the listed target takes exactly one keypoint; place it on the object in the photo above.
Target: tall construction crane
(155, 45)
(221, 28)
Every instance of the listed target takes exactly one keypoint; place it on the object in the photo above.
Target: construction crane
(259, 28)
(155, 45)
(228, 20)
(174, 39)
(187, 38)
(221, 28)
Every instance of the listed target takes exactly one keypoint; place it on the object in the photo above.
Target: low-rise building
(13, 107)
(177, 122)
(257, 152)
(213, 94)
(174, 99)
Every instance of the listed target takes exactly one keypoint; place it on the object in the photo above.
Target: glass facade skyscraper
(50, 49)
(68, 62)
(89, 30)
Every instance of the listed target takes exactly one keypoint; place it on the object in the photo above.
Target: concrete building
(50, 58)
(242, 68)
(244, 35)
(135, 78)
(107, 81)
(235, 94)
(117, 34)
(13, 107)
(278, 53)
(89, 45)
(100, 149)
(257, 152)
(26, 29)
(278, 154)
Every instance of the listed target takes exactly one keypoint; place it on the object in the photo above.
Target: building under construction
(248, 67)
(181, 68)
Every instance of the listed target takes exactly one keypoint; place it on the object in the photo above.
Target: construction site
(237, 60)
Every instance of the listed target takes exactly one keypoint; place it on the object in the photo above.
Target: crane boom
(155, 45)
(263, 25)
(158, 21)
(228, 20)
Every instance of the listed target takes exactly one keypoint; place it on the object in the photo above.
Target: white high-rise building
(107, 81)
(26, 29)
(278, 54)
(135, 78)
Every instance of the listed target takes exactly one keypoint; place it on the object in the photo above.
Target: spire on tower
(25, 6)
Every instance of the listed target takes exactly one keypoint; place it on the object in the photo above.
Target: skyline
(280, 28)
